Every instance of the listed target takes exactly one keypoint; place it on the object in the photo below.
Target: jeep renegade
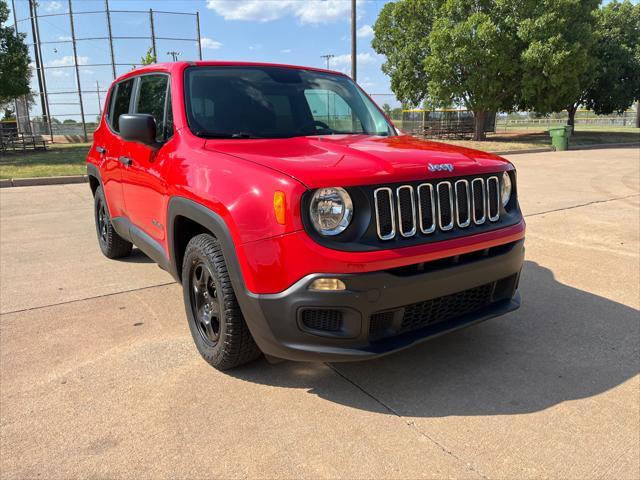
(300, 222)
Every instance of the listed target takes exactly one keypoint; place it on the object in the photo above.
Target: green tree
(15, 73)
(557, 61)
(617, 46)
(149, 58)
(402, 35)
(386, 108)
(473, 45)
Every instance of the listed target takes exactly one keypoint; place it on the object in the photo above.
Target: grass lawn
(59, 159)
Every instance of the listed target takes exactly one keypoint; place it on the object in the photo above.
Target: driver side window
(332, 110)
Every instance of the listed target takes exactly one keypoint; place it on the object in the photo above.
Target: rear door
(144, 182)
(109, 146)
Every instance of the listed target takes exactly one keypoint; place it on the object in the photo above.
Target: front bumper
(277, 321)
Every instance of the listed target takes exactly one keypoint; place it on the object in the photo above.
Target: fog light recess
(327, 285)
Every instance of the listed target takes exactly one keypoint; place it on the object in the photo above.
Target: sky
(283, 31)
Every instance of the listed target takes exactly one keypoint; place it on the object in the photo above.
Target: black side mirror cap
(139, 127)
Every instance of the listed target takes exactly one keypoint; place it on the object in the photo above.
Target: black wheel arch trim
(196, 212)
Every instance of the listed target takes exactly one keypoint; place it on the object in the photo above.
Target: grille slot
(322, 319)
(493, 199)
(426, 208)
(406, 211)
(385, 216)
(445, 206)
(380, 322)
(479, 201)
(463, 204)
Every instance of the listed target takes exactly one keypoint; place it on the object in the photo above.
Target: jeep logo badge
(440, 167)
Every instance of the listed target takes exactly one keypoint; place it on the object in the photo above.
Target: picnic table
(13, 141)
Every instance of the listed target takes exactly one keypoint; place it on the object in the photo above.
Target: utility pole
(354, 57)
(113, 57)
(174, 55)
(328, 58)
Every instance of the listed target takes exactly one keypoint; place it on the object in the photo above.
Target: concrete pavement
(99, 376)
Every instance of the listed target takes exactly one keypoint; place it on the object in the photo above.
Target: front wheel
(215, 320)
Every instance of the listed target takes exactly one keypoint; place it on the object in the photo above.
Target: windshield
(276, 102)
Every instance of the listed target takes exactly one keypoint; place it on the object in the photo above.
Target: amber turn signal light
(279, 207)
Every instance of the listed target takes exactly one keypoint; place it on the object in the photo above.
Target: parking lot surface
(99, 377)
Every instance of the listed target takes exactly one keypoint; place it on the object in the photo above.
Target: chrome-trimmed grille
(426, 209)
(408, 210)
(445, 206)
(380, 204)
(493, 201)
(479, 197)
(406, 218)
(463, 204)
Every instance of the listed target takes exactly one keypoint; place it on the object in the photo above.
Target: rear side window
(151, 99)
(121, 102)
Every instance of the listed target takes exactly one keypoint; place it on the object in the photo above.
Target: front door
(145, 189)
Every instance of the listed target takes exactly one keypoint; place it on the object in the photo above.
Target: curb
(36, 181)
(529, 150)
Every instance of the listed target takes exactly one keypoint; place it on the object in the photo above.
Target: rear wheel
(111, 244)
(215, 320)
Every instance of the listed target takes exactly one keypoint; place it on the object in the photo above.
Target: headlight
(505, 191)
(331, 210)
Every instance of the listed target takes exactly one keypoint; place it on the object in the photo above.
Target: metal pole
(99, 101)
(199, 39)
(153, 35)
(113, 57)
(15, 28)
(354, 58)
(77, 69)
(44, 98)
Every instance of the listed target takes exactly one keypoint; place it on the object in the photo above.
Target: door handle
(126, 161)
(101, 150)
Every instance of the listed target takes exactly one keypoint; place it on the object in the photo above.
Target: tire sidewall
(98, 200)
(192, 256)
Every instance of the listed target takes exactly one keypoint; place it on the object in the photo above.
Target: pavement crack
(408, 422)
(86, 298)
(582, 205)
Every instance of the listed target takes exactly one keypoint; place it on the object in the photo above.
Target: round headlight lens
(331, 210)
(505, 191)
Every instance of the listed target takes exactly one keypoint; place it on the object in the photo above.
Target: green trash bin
(559, 138)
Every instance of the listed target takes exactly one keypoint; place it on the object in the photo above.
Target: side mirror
(139, 127)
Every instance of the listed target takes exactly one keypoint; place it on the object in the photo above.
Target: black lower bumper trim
(276, 321)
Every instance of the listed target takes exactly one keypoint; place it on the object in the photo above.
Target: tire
(111, 244)
(215, 319)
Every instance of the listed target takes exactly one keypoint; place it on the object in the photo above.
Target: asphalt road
(99, 377)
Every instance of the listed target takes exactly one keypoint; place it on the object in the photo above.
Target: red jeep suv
(300, 222)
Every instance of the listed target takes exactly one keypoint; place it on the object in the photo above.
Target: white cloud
(257, 46)
(287, 50)
(52, 6)
(64, 38)
(345, 59)
(67, 61)
(365, 31)
(306, 11)
(210, 44)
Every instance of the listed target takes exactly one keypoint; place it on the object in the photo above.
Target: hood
(345, 160)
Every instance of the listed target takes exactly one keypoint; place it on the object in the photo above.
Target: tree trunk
(572, 109)
(478, 124)
(638, 114)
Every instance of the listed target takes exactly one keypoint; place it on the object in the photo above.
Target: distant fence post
(113, 57)
(77, 69)
(198, 32)
(153, 34)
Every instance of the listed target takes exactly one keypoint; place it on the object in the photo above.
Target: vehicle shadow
(563, 344)
(136, 256)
